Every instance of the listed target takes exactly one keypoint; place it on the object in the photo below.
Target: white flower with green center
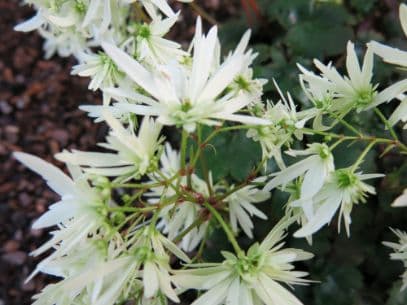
(134, 157)
(72, 26)
(80, 214)
(78, 260)
(100, 68)
(400, 252)
(177, 217)
(241, 207)
(315, 170)
(245, 83)
(151, 47)
(142, 266)
(285, 124)
(342, 191)
(184, 98)
(318, 90)
(356, 90)
(248, 279)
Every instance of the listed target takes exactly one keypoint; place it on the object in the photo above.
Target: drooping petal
(55, 178)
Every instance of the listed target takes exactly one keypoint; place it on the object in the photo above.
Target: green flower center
(80, 6)
(242, 83)
(345, 178)
(324, 103)
(143, 31)
(324, 151)
(364, 97)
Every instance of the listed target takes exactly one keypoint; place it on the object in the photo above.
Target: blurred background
(39, 114)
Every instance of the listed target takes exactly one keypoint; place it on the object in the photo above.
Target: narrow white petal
(55, 178)
(132, 68)
(389, 54)
(403, 17)
(323, 215)
(291, 173)
(150, 280)
(31, 24)
(389, 93)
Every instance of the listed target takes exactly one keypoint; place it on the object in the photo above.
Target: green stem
(332, 147)
(346, 124)
(201, 12)
(184, 142)
(386, 123)
(224, 129)
(394, 142)
(136, 185)
(362, 155)
(202, 245)
(195, 224)
(226, 228)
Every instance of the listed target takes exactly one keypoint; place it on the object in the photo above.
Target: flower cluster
(142, 212)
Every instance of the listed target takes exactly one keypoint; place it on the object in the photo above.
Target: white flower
(185, 98)
(315, 169)
(244, 83)
(389, 54)
(285, 124)
(251, 278)
(355, 90)
(100, 68)
(150, 45)
(143, 265)
(134, 154)
(318, 90)
(57, 13)
(241, 208)
(65, 43)
(79, 214)
(400, 252)
(344, 189)
(177, 217)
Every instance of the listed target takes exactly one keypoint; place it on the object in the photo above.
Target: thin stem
(333, 146)
(136, 185)
(195, 224)
(346, 124)
(394, 142)
(363, 155)
(201, 12)
(226, 228)
(224, 129)
(184, 143)
(202, 245)
(386, 123)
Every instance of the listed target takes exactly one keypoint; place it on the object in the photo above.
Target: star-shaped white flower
(251, 278)
(182, 97)
(133, 154)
